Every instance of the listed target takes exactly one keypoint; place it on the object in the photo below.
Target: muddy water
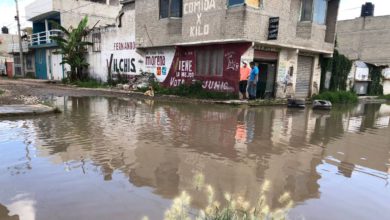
(123, 159)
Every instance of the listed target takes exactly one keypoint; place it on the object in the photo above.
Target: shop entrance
(267, 63)
(267, 77)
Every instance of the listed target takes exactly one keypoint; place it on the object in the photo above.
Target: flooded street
(108, 158)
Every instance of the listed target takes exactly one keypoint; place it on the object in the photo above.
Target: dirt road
(22, 91)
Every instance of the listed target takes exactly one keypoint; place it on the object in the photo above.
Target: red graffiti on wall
(184, 67)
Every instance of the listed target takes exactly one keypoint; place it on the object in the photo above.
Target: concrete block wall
(366, 39)
(73, 11)
(218, 23)
(292, 32)
(110, 36)
(287, 58)
(153, 31)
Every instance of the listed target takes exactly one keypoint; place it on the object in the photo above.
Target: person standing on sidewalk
(252, 82)
(244, 75)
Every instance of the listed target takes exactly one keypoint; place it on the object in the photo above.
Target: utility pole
(20, 39)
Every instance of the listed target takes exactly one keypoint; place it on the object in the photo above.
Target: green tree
(73, 46)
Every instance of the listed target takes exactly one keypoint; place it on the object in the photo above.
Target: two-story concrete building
(206, 40)
(367, 39)
(10, 54)
(67, 13)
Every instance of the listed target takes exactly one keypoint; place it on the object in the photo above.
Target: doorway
(40, 64)
(267, 79)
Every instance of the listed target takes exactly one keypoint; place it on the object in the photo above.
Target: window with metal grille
(96, 41)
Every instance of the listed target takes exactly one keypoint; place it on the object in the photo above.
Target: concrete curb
(26, 110)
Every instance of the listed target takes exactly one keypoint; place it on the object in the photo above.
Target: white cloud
(23, 206)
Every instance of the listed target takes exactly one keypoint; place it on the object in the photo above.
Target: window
(235, 2)
(314, 10)
(29, 62)
(307, 10)
(320, 9)
(252, 3)
(209, 62)
(96, 41)
(171, 8)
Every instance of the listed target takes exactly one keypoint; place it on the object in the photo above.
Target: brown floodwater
(107, 158)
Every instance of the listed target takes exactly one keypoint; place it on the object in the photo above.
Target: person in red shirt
(244, 75)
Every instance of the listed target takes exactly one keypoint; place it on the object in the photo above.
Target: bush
(1, 92)
(194, 90)
(337, 97)
(387, 97)
(375, 87)
(340, 66)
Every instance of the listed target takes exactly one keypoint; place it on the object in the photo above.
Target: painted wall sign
(159, 61)
(124, 45)
(198, 7)
(121, 45)
(183, 69)
(273, 28)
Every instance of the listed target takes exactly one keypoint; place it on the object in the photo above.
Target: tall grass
(235, 208)
(387, 97)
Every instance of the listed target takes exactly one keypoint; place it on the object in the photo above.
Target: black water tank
(4, 30)
(367, 9)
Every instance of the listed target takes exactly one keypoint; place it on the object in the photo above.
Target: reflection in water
(4, 214)
(162, 146)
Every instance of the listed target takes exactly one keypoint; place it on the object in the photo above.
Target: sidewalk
(26, 110)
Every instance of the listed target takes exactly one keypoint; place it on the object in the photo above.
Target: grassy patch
(386, 97)
(192, 91)
(341, 97)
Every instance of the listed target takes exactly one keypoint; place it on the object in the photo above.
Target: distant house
(9, 53)
(366, 39)
(67, 13)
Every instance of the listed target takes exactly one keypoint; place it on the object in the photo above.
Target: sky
(349, 9)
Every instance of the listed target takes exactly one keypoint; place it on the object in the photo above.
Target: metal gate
(304, 73)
